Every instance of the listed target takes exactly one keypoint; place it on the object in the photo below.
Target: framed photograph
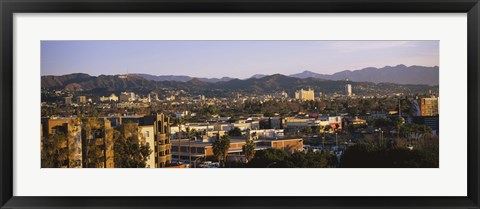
(241, 104)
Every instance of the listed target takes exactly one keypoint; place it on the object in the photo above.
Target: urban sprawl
(300, 129)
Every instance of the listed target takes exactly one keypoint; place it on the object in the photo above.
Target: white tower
(348, 90)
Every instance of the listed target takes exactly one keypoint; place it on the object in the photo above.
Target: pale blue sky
(239, 59)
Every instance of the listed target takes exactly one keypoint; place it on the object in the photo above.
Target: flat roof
(184, 142)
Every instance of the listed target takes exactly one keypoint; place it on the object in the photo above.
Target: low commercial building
(241, 124)
(301, 125)
(268, 133)
(289, 145)
(111, 98)
(131, 105)
(335, 122)
(356, 121)
(432, 122)
(200, 149)
(293, 125)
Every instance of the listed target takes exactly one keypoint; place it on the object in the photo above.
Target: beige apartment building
(156, 130)
(90, 141)
(305, 95)
(86, 140)
(429, 106)
(73, 131)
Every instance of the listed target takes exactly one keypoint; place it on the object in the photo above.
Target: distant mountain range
(104, 83)
(182, 78)
(260, 84)
(399, 74)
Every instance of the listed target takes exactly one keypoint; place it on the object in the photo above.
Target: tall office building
(348, 90)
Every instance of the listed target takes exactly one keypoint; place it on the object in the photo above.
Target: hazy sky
(240, 59)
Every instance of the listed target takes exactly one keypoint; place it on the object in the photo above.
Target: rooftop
(232, 141)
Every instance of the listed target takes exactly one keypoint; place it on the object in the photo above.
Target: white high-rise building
(348, 90)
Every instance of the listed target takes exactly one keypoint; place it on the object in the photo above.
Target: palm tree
(189, 145)
(399, 125)
(220, 148)
(249, 150)
(180, 121)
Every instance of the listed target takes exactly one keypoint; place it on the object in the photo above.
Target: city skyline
(237, 59)
(373, 118)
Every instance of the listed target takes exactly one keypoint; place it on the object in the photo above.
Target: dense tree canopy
(249, 150)
(364, 155)
(220, 148)
(131, 150)
(276, 158)
(54, 151)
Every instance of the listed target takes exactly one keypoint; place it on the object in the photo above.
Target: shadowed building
(156, 133)
(163, 146)
(88, 142)
(69, 128)
(98, 144)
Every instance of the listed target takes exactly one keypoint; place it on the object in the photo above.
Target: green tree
(269, 157)
(179, 121)
(55, 151)
(220, 148)
(308, 130)
(190, 132)
(130, 149)
(249, 150)
(93, 150)
(324, 155)
(364, 155)
(235, 132)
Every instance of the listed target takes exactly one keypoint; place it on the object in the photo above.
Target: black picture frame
(9, 7)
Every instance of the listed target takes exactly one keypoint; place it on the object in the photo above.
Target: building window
(147, 133)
